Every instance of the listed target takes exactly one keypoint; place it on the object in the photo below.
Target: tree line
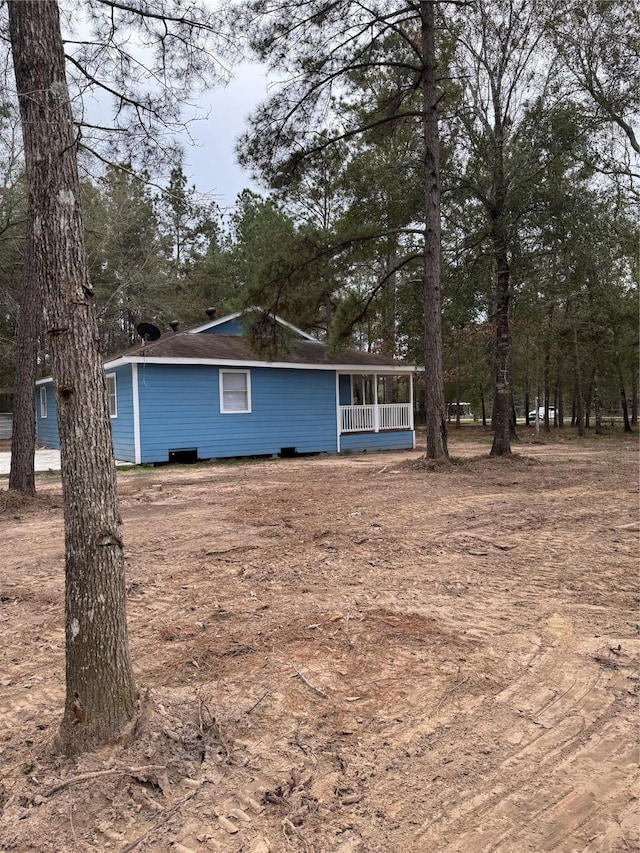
(163, 254)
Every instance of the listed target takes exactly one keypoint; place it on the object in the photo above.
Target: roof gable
(226, 325)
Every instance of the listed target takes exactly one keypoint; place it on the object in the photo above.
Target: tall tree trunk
(100, 691)
(389, 313)
(436, 417)
(514, 419)
(502, 426)
(588, 400)
(623, 394)
(546, 378)
(559, 420)
(502, 394)
(596, 402)
(327, 309)
(457, 384)
(634, 398)
(578, 417)
(23, 442)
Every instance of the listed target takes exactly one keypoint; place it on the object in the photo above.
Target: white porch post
(338, 412)
(411, 423)
(376, 410)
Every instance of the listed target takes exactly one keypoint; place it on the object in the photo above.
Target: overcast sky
(211, 164)
(210, 161)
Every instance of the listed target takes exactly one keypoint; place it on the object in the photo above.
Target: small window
(235, 391)
(112, 397)
(43, 402)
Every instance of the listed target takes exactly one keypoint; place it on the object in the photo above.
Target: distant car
(532, 413)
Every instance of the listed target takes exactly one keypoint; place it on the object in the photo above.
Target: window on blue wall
(112, 397)
(43, 402)
(235, 391)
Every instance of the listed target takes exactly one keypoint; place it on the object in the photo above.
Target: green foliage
(342, 146)
(273, 262)
(598, 42)
(189, 224)
(130, 265)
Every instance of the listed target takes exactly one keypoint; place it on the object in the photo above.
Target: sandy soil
(360, 654)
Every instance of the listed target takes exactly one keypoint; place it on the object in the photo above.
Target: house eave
(290, 365)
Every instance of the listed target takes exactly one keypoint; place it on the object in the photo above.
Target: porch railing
(357, 418)
(395, 416)
(374, 418)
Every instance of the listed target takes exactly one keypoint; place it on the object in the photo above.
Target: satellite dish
(148, 332)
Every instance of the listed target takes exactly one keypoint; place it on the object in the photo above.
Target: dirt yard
(360, 654)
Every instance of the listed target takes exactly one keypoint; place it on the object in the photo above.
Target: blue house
(202, 393)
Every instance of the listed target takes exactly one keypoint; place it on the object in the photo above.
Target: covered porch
(380, 402)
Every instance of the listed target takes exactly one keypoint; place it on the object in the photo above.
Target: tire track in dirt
(553, 741)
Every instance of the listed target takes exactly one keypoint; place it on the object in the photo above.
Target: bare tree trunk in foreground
(100, 696)
(23, 439)
(436, 417)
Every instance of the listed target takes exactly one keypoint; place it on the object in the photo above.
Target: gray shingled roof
(235, 348)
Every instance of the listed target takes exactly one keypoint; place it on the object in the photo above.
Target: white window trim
(224, 411)
(137, 452)
(43, 403)
(108, 378)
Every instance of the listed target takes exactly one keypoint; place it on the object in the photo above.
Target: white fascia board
(44, 381)
(290, 365)
(371, 369)
(212, 323)
(295, 328)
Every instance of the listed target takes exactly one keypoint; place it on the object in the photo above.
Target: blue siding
(391, 440)
(122, 425)
(47, 428)
(345, 389)
(231, 327)
(180, 409)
